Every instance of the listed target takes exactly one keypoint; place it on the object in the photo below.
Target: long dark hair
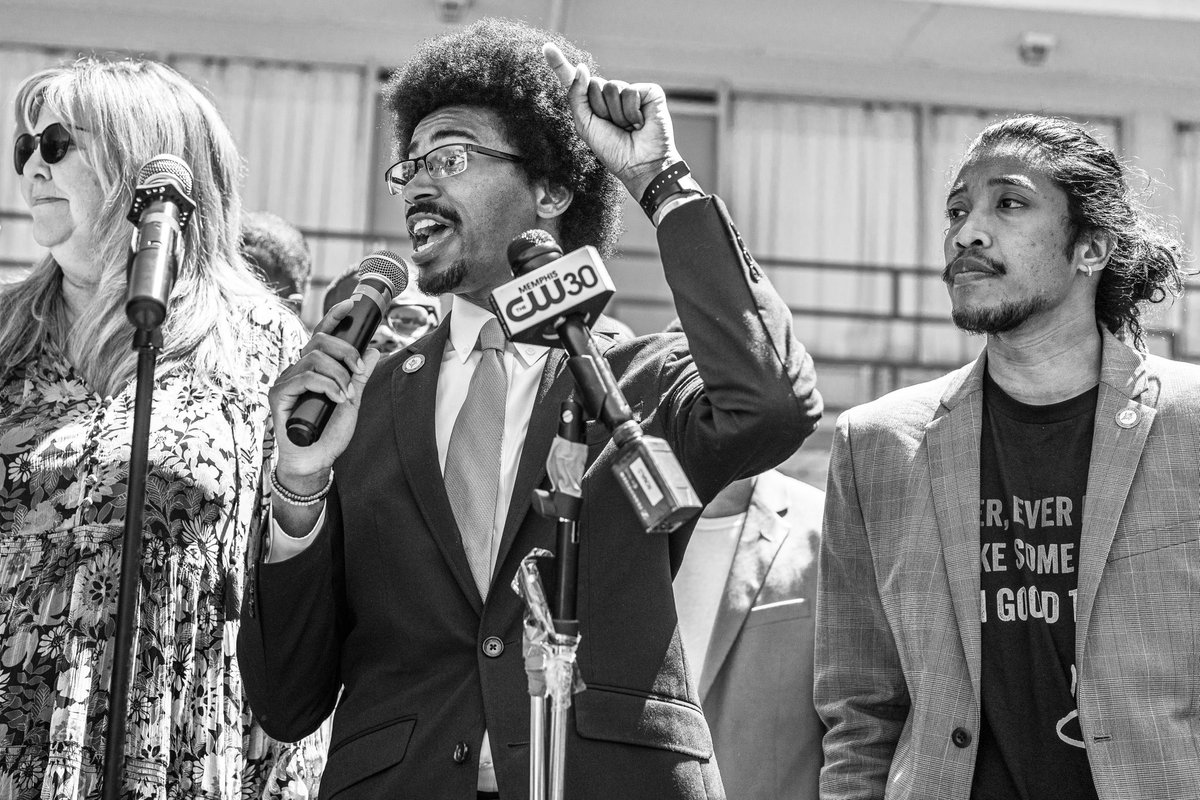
(1146, 259)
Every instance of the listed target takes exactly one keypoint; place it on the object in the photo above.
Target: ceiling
(889, 48)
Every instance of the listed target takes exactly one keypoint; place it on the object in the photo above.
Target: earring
(1088, 269)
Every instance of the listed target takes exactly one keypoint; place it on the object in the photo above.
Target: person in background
(395, 538)
(745, 594)
(339, 288)
(280, 253)
(982, 631)
(412, 314)
(67, 387)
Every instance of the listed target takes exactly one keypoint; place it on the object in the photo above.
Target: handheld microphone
(381, 276)
(161, 211)
(552, 301)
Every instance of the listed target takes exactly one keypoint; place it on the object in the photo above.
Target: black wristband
(665, 184)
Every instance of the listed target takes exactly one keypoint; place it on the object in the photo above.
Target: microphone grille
(166, 168)
(387, 265)
(534, 237)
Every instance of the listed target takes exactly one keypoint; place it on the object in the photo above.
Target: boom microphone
(161, 211)
(552, 301)
(381, 276)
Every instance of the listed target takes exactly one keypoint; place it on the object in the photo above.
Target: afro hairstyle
(498, 64)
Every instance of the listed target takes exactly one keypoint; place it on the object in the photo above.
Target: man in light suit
(398, 605)
(745, 594)
(982, 632)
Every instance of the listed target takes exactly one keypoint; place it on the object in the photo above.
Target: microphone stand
(552, 631)
(552, 634)
(147, 343)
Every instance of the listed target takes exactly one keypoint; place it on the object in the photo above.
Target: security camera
(452, 11)
(1035, 48)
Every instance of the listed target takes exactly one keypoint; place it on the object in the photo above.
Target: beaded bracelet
(293, 499)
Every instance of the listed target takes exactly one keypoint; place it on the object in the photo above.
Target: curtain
(304, 133)
(1187, 198)
(829, 182)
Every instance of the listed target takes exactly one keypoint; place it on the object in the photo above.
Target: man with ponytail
(1010, 567)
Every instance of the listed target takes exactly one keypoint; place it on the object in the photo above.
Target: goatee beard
(1007, 317)
(444, 282)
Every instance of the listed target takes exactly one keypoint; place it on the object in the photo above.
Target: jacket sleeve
(756, 398)
(289, 643)
(859, 690)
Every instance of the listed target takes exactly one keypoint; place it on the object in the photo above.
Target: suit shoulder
(1179, 383)
(911, 407)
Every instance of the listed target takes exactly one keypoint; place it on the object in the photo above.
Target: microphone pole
(564, 467)
(566, 623)
(161, 211)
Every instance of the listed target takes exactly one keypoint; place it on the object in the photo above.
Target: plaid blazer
(898, 624)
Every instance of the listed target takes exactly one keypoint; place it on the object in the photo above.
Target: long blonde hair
(136, 110)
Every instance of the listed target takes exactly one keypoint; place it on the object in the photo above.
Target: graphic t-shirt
(1033, 465)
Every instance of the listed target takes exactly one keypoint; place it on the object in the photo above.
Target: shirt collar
(468, 319)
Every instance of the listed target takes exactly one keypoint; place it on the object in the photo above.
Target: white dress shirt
(523, 365)
(700, 583)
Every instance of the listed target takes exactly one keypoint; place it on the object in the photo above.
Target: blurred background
(830, 127)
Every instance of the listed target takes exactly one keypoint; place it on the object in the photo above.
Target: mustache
(972, 254)
(429, 207)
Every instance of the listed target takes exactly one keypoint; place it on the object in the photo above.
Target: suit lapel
(953, 441)
(414, 396)
(543, 425)
(1122, 425)
(763, 534)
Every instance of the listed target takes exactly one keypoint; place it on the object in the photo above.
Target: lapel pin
(1127, 418)
(413, 363)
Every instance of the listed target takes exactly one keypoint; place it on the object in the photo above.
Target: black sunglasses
(54, 143)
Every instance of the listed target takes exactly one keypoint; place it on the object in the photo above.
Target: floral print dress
(64, 463)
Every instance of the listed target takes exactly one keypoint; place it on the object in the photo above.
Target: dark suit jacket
(757, 683)
(382, 605)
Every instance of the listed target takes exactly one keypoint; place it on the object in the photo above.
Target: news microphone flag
(531, 306)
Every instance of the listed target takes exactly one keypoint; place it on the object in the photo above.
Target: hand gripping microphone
(161, 211)
(552, 301)
(381, 276)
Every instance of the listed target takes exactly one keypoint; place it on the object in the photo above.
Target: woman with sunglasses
(66, 404)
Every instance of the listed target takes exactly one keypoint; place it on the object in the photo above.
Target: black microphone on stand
(553, 301)
(160, 213)
(381, 276)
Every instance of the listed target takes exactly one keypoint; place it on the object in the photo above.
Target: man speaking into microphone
(396, 535)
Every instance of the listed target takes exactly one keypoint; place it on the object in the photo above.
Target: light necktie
(473, 458)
